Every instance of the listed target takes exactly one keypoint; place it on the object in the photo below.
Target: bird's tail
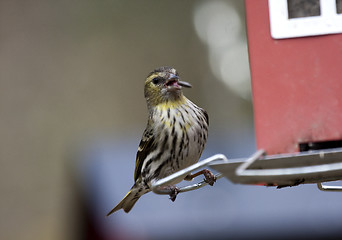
(129, 200)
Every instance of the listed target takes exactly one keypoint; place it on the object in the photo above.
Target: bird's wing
(146, 145)
(205, 115)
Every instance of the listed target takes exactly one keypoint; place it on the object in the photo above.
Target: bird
(174, 138)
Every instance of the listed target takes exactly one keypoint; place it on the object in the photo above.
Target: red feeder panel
(297, 85)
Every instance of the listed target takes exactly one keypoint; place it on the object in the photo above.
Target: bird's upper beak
(185, 84)
(174, 81)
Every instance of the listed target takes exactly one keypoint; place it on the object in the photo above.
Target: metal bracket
(242, 171)
(286, 169)
(275, 170)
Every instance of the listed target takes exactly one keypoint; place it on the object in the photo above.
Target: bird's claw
(174, 193)
(210, 178)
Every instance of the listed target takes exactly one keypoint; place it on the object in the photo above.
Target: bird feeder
(295, 53)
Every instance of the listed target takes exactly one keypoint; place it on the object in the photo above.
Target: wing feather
(206, 116)
(146, 146)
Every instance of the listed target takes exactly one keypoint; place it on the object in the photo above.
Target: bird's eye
(156, 80)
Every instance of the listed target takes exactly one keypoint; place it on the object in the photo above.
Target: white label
(327, 22)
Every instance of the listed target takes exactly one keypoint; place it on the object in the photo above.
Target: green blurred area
(74, 70)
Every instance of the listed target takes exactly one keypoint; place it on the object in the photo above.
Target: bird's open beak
(173, 80)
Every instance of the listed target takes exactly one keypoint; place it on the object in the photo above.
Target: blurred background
(73, 112)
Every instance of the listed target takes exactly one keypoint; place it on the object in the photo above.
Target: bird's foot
(209, 177)
(174, 191)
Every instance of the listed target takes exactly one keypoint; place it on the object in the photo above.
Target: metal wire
(329, 188)
(157, 187)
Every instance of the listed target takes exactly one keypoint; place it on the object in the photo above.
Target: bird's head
(163, 85)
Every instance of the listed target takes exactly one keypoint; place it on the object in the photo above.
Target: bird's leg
(209, 176)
